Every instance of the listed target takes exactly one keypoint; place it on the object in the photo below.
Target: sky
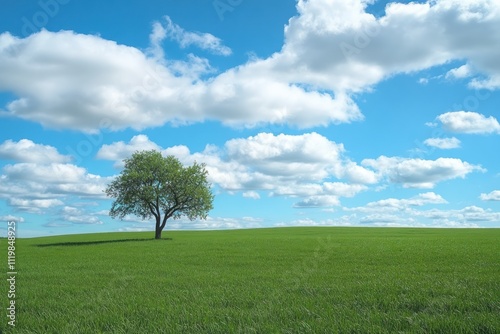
(306, 113)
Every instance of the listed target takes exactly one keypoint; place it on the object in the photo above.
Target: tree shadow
(99, 242)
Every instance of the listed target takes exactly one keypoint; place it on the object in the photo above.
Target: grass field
(284, 280)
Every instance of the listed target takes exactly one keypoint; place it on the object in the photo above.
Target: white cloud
(492, 196)
(185, 38)
(34, 205)
(48, 173)
(286, 155)
(27, 151)
(408, 212)
(443, 143)
(400, 205)
(194, 67)
(107, 85)
(283, 165)
(343, 221)
(419, 173)
(318, 202)
(461, 72)
(251, 194)
(335, 44)
(469, 122)
(420, 200)
(78, 216)
(477, 214)
(35, 187)
(382, 218)
(332, 49)
(11, 218)
(156, 37)
(211, 223)
(135, 228)
(469, 214)
(119, 151)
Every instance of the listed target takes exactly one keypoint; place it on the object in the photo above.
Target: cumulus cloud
(337, 44)
(212, 223)
(27, 151)
(78, 216)
(469, 214)
(332, 49)
(419, 173)
(34, 205)
(342, 221)
(461, 72)
(37, 186)
(400, 205)
(30, 180)
(11, 218)
(469, 122)
(492, 196)
(443, 143)
(383, 219)
(408, 212)
(119, 151)
(107, 85)
(251, 194)
(297, 166)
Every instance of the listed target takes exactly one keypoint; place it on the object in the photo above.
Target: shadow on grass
(88, 243)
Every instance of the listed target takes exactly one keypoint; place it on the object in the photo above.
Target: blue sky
(317, 112)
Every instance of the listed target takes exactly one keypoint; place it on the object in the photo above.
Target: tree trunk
(158, 229)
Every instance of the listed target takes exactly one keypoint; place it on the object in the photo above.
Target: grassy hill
(286, 280)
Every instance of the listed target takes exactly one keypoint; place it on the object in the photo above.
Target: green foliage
(286, 280)
(151, 185)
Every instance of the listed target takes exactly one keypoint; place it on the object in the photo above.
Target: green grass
(286, 280)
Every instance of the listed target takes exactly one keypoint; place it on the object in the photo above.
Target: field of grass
(284, 280)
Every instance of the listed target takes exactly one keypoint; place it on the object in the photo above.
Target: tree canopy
(151, 185)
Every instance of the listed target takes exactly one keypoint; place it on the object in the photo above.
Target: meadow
(280, 280)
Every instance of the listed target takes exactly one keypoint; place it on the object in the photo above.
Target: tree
(151, 185)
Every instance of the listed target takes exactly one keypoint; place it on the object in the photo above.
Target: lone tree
(151, 185)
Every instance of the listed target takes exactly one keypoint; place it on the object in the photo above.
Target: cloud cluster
(408, 212)
(11, 218)
(299, 166)
(308, 167)
(119, 151)
(492, 196)
(394, 204)
(443, 143)
(420, 173)
(469, 122)
(332, 49)
(27, 151)
(78, 216)
(39, 178)
(469, 214)
(338, 45)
